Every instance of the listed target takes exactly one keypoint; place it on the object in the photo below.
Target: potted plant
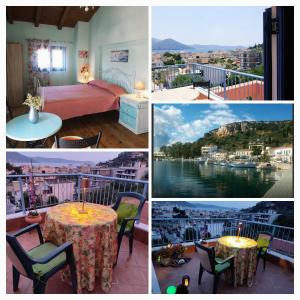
(35, 104)
(33, 215)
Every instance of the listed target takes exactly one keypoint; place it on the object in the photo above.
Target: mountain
(169, 44)
(125, 159)
(195, 205)
(215, 48)
(18, 158)
(235, 136)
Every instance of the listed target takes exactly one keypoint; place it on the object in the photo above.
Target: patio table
(244, 251)
(94, 238)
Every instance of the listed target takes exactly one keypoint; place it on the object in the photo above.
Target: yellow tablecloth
(244, 251)
(94, 238)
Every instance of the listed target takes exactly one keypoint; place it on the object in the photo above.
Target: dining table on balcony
(245, 258)
(92, 229)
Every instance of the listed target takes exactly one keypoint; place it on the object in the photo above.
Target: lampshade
(139, 85)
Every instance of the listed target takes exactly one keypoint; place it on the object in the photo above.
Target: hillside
(168, 44)
(195, 205)
(171, 44)
(18, 158)
(125, 159)
(237, 135)
(284, 208)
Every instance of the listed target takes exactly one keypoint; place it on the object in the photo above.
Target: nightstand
(134, 113)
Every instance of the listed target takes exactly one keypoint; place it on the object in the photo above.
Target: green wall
(120, 28)
(20, 31)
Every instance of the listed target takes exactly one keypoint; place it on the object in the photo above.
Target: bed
(102, 95)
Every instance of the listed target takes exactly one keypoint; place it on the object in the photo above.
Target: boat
(209, 161)
(243, 164)
(224, 163)
(267, 166)
(201, 160)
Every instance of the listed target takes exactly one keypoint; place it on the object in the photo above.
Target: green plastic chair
(264, 240)
(129, 207)
(41, 262)
(213, 265)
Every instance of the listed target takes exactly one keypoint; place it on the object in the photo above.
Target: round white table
(21, 129)
(186, 93)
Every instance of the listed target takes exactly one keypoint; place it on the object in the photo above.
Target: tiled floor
(130, 276)
(274, 280)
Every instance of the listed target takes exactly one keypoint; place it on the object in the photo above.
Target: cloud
(170, 126)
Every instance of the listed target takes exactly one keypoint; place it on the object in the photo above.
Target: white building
(209, 150)
(243, 153)
(282, 154)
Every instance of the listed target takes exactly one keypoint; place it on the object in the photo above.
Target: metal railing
(184, 230)
(225, 83)
(51, 189)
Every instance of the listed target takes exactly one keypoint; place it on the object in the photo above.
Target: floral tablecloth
(94, 238)
(244, 251)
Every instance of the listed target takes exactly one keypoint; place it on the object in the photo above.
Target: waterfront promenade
(282, 188)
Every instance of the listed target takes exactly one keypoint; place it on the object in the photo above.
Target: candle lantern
(85, 184)
(240, 226)
(183, 287)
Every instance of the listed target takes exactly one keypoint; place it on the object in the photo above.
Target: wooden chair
(41, 262)
(64, 142)
(212, 265)
(129, 211)
(264, 240)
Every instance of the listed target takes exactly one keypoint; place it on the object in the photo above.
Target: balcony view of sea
(189, 179)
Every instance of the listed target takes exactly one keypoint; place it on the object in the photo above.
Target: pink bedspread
(71, 101)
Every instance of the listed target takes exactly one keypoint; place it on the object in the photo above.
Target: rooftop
(274, 280)
(195, 78)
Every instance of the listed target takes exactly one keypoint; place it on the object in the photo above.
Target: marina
(193, 179)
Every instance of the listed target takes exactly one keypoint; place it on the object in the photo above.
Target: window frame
(64, 50)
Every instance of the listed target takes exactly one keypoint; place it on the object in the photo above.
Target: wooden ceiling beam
(38, 13)
(9, 15)
(63, 17)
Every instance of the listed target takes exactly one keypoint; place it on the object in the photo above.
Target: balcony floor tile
(274, 280)
(129, 275)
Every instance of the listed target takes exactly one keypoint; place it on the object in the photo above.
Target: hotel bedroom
(83, 74)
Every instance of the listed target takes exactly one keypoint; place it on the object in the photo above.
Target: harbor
(189, 178)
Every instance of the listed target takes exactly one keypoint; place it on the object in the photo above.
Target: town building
(209, 150)
(282, 154)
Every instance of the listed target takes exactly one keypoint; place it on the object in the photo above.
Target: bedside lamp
(139, 86)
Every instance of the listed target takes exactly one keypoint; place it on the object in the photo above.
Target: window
(43, 59)
(58, 58)
(53, 60)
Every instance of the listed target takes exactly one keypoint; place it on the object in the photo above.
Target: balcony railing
(51, 189)
(225, 83)
(184, 230)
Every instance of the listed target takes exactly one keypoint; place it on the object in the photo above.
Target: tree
(182, 80)
(256, 151)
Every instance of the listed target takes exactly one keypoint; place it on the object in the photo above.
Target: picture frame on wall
(83, 54)
(119, 55)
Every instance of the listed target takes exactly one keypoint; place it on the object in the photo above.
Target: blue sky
(230, 25)
(189, 122)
